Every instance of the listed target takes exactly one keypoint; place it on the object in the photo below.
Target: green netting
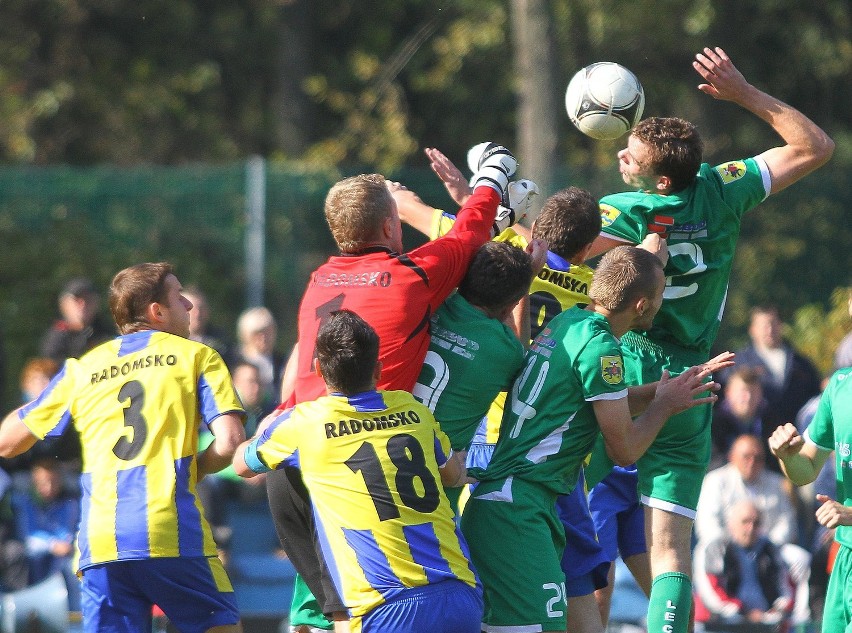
(59, 222)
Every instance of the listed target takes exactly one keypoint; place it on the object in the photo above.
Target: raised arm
(807, 146)
(800, 460)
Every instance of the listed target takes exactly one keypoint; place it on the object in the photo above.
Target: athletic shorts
(838, 597)
(672, 469)
(305, 610)
(584, 562)
(449, 606)
(194, 593)
(516, 542)
(618, 516)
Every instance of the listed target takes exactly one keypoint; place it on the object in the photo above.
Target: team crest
(612, 369)
(731, 171)
(608, 215)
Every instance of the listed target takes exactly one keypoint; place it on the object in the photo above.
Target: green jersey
(831, 429)
(550, 426)
(474, 355)
(701, 224)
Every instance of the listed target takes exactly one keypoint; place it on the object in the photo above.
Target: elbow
(824, 149)
(622, 456)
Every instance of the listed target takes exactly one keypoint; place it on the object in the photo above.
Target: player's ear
(664, 184)
(316, 367)
(154, 314)
(377, 371)
(641, 306)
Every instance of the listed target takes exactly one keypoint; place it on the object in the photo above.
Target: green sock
(670, 603)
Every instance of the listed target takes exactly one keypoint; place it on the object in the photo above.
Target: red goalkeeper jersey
(395, 293)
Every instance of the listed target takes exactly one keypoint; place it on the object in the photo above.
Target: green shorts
(838, 597)
(673, 467)
(524, 585)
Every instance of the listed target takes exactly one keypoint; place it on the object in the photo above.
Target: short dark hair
(569, 221)
(135, 288)
(498, 276)
(765, 308)
(624, 274)
(347, 350)
(675, 148)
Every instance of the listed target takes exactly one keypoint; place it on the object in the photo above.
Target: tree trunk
(538, 107)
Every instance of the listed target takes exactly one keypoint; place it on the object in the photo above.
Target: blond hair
(355, 209)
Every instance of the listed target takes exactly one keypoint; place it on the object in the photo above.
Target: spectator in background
(14, 574)
(35, 376)
(46, 517)
(199, 323)
(843, 355)
(739, 576)
(741, 412)
(2, 368)
(789, 379)
(256, 334)
(79, 329)
(746, 478)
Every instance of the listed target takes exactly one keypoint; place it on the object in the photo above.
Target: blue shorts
(194, 593)
(449, 606)
(618, 515)
(583, 560)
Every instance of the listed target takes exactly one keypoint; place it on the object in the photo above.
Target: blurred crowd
(758, 548)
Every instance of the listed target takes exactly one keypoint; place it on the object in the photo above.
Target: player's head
(148, 297)
(347, 350)
(663, 155)
(569, 222)
(361, 212)
(629, 279)
(498, 276)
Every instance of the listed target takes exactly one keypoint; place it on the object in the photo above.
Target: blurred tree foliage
(330, 87)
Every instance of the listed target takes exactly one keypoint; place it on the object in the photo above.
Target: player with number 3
(137, 402)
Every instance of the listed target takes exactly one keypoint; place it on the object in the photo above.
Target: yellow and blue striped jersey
(137, 402)
(370, 462)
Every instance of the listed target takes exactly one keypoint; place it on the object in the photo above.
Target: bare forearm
(640, 396)
(799, 469)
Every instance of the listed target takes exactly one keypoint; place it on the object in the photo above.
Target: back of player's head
(498, 276)
(347, 349)
(624, 275)
(675, 148)
(355, 209)
(133, 289)
(569, 221)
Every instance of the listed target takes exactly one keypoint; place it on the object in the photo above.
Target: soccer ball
(604, 100)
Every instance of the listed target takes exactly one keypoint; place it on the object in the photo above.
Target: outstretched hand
(679, 393)
(722, 361)
(452, 177)
(724, 81)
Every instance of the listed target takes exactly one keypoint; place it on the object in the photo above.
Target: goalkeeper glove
(495, 166)
(520, 194)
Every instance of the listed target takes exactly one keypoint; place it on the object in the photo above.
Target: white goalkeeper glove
(495, 166)
(520, 194)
